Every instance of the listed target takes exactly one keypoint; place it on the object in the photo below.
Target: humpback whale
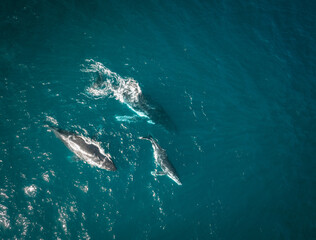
(154, 113)
(161, 160)
(128, 92)
(85, 148)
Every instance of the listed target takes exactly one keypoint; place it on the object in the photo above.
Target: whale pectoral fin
(160, 173)
(126, 118)
(156, 173)
(150, 122)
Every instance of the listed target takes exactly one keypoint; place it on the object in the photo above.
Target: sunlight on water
(31, 191)
(4, 217)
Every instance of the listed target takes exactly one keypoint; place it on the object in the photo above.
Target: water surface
(238, 80)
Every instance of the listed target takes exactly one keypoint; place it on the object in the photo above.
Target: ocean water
(237, 79)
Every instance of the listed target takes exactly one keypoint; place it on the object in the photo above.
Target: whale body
(153, 112)
(85, 149)
(161, 159)
(128, 92)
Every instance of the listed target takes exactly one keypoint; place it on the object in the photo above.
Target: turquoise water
(237, 78)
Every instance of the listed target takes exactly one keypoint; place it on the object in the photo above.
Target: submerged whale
(155, 114)
(86, 149)
(128, 92)
(161, 160)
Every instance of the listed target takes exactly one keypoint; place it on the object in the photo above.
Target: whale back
(86, 149)
(155, 112)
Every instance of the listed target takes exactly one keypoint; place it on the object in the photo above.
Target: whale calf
(161, 159)
(86, 149)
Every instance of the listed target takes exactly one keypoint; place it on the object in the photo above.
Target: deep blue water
(237, 78)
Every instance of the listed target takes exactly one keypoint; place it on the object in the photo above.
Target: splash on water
(125, 90)
(31, 191)
(115, 86)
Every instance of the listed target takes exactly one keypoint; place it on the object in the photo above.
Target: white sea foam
(126, 90)
(4, 217)
(52, 120)
(45, 176)
(63, 218)
(31, 191)
(24, 223)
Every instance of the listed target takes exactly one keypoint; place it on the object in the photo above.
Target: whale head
(110, 167)
(175, 178)
(108, 164)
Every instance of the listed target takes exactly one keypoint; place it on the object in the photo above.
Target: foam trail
(114, 85)
(128, 92)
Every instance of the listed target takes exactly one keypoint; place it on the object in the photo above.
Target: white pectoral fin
(126, 118)
(156, 173)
